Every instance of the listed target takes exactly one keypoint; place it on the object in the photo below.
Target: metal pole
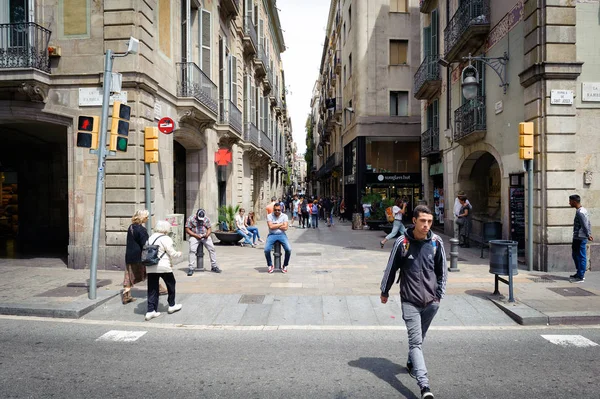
(511, 297)
(453, 255)
(530, 215)
(147, 191)
(108, 62)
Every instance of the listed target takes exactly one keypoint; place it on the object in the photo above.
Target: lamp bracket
(498, 64)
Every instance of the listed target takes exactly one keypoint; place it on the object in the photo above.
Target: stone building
(370, 131)
(213, 66)
(542, 68)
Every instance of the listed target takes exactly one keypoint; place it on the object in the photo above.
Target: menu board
(517, 215)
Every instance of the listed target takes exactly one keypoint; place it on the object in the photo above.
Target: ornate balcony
(260, 61)
(266, 144)
(193, 82)
(426, 6)
(467, 30)
(470, 121)
(251, 134)
(430, 141)
(231, 115)
(24, 46)
(338, 62)
(250, 37)
(427, 79)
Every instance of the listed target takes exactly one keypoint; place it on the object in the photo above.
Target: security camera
(133, 45)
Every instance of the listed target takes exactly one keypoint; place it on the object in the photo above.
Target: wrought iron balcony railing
(430, 141)
(470, 14)
(251, 134)
(193, 82)
(427, 79)
(24, 45)
(231, 115)
(250, 31)
(470, 118)
(266, 143)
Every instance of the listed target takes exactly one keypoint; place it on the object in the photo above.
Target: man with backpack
(305, 212)
(420, 257)
(198, 229)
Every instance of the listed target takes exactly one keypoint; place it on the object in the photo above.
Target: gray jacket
(582, 227)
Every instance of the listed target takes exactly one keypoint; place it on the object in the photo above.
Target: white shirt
(281, 219)
(458, 206)
(239, 223)
(397, 214)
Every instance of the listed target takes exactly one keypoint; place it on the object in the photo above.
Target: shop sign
(436, 169)
(393, 178)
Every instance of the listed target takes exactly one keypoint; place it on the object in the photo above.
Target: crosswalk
(578, 341)
(121, 336)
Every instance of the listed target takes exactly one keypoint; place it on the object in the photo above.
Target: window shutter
(250, 9)
(427, 41)
(402, 51)
(393, 53)
(261, 36)
(393, 104)
(434, 33)
(234, 80)
(436, 115)
(247, 101)
(205, 42)
(253, 103)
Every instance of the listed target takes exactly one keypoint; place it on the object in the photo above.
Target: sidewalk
(334, 277)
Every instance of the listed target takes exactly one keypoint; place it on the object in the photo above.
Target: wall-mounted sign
(166, 125)
(393, 178)
(561, 97)
(590, 91)
(499, 107)
(92, 97)
(223, 157)
(350, 179)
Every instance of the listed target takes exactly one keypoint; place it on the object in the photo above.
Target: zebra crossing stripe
(122, 336)
(570, 340)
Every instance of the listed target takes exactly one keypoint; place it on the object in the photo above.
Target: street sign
(166, 125)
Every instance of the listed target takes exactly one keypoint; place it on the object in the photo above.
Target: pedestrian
(421, 259)
(135, 271)
(464, 221)
(457, 207)
(282, 205)
(314, 214)
(294, 208)
(278, 225)
(241, 229)
(399, 209)
(198, 227)
(582, 233)
(304, 208)
(332, 211)
(250, 223)
(164, 270)
(342, 209)
(270, 205)
(327, 210)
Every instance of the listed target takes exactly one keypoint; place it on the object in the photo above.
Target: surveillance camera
(133, 45)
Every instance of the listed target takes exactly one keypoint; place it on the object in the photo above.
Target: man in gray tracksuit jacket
(420, 257)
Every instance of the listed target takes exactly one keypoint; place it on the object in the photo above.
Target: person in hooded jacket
(419, 256)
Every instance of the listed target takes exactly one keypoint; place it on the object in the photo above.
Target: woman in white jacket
(163, 269)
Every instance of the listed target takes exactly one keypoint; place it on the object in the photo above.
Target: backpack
(389, 214)
(305, 207)
(150, 253)
(315, 209)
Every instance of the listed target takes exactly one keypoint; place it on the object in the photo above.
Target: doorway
(179, 178)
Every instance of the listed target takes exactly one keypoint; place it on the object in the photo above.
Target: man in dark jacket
(420, 257)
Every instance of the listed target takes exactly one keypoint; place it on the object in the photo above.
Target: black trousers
(169, 279)
(305, 219)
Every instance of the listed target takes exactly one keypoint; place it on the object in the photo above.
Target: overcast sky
(303, 23)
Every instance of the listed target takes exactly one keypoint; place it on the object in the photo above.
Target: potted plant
(376, 217)
(227, 231)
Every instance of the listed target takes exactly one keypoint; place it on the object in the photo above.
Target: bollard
(200, 257)
(453, 255)
(277, 254)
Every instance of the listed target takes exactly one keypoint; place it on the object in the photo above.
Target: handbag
(150, 253)
(461, 221)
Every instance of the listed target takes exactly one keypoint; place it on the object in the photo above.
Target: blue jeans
(282, 238)
(398, 225)
(254, 231)
(246, 237)
(578, 249)
(315, 220)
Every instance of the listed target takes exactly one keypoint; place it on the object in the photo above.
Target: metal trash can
(503, 254)
(356, 221)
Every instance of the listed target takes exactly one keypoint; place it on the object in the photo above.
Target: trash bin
(503, 254)
(356, 221)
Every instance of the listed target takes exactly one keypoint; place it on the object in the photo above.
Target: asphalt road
(62, 359)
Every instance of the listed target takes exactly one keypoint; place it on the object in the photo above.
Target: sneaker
(573, 276)
(190, 272)
(271, 269)
(152, 315)
(426, 393)
(578, 280)
(261, 241)
(216, 269)
(175, 308)
(409, 368)
(284, 269)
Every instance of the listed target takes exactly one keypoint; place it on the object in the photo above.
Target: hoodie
(422, 265)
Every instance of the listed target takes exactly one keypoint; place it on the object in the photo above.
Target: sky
(303, 23)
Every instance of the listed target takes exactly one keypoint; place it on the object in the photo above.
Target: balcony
(337, 63)
(338, 106)
(268, 80)
(250, 37)
(193, 82)
(260, 61)
(470, 121)
(251, 134)
(230, 7)
(231, 115)
(430, 141)
(426, 6)
(427, 79)
(266, 144)
(24, 46)
(467, 30)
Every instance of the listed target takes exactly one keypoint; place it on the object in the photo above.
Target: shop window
(390, 155)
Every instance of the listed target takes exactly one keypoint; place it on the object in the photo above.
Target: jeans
(282, 238)
(578, 250)
(417, 320)
(169, 280)
(247, 239)
(254, 231)
(194, 244)
(315, 220)
(398, 226)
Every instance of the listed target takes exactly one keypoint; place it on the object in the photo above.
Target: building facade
(213, 66)
(368, 122)
(541, 67)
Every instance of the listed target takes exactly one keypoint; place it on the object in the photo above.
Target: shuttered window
(398, 52)
(233, 94)
(398, 103)
(205, 42)
(398, 6)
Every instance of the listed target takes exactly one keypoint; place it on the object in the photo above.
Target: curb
(520, 312)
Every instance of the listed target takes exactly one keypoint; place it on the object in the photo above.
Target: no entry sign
(166, 125)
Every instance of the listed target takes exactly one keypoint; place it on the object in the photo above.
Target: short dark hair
(575, 198)
(276, 205)
(419, 209)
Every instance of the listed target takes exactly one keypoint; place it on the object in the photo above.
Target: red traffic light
(86, 123)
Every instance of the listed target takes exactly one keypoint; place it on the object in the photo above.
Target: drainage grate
(308, 254)
(355, 248)
(321, 271)
(542, 280)
(252, 299)
(572, 291)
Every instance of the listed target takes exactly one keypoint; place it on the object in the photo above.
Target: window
(350, 65)
(398, 51)
(433, 115)
(349, 17)
(345, 76)
(398, 6)
(391, 155)
(344, 33)
(205, 42)
(398, 103)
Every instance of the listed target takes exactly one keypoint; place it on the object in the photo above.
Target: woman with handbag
(135, 272)
(163, 269)
(464, 221)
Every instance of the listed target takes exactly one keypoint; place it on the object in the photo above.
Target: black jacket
(422, 265)
(137, 236)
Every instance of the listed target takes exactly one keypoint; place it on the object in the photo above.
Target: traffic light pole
(148, 196)
(530, 214)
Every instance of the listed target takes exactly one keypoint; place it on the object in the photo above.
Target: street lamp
(470, 75)
(470, 82)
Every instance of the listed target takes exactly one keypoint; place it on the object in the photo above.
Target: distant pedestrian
(399, 209)
(421, 260)
(582, 233)
(278, 225)
(198, 227)
(464, 221)
(342, 209)
(314, 214)
(456, 212)
(241, 229)
(270, 205)
(164, 270)
(294, 208)
(305, 210)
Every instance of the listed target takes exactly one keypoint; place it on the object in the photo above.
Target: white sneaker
(175, 308)
(152, 315)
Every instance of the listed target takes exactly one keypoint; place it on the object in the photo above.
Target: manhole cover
(542, 280)
(308, 254)
(64, 292)
(575, 291)
(355, 248)
(322, 271)
(252, 299)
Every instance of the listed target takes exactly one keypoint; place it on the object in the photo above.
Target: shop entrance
(411, 193)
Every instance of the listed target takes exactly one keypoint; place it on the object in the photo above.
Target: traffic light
(119, 131)
(526, 140)
(87, 132)
(151, 145)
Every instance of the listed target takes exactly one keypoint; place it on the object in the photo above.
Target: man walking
(198, 228)
(295, 206)
(278, 225)
(582, 232)
(420, 257)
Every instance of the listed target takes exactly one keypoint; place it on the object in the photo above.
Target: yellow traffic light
(151, 144)
(119, 131)
(526, 140)
(87, 132)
